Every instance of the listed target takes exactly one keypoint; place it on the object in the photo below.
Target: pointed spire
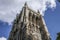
(38, 11)
(25, 4)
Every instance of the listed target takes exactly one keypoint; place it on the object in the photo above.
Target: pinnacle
(25, 4)
(38, 11)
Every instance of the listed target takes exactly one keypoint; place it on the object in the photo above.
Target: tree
(58, 36)
(58, 0)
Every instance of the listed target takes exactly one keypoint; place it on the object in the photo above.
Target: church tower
(29, 25)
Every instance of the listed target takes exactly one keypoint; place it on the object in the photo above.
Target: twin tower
(29, 25)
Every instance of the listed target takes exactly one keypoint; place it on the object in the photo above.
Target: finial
(25, 4)
(38, 11)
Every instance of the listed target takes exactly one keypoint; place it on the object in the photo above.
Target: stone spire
(25, 5)
(29, 25)
(38, 11)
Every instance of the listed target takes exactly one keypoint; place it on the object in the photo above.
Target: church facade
(29, 25)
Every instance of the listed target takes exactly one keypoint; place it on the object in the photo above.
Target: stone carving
(29, 25)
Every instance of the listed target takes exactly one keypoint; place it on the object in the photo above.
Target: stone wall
(29, 25)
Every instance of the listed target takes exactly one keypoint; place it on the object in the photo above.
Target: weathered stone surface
(29, 25)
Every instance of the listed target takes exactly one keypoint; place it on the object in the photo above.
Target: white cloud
(9, 8)
(3, 38)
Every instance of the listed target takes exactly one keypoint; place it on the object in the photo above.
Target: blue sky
(51, 16)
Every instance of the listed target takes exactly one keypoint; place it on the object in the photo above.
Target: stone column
(35, 19)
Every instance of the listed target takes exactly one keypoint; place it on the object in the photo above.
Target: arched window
(30, 16)
(37, 20)
(33, 18)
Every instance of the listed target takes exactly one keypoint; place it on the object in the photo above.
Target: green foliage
(58, 36)
(58, 0)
